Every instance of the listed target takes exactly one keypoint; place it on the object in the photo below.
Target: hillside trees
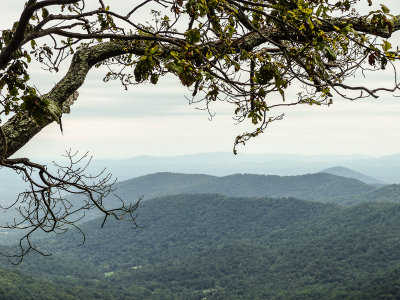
(244, 52)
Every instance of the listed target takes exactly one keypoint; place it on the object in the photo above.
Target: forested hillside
(207, 245)
(16, 286)
(388, 193)
(318, 186)
(349, 173)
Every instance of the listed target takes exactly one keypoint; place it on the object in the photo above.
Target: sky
(112, 123)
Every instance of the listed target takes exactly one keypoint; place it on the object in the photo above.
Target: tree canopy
(244, 52)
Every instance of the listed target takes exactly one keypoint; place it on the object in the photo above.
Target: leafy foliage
(242, 52)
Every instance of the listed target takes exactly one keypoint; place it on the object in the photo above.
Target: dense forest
(320, 187)
(196, 246)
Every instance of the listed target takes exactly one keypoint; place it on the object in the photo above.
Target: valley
(243, 236)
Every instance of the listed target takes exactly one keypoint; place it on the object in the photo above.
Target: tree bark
(20, 129)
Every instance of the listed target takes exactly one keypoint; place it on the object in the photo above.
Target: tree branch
(7, 53)
(20, 129)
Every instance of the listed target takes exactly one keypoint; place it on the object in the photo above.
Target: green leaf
(386, 46)
(385, 9)
(154, 78)
(153, 50)
(319, 10)
(282, 92)
(265, 74)
(174, 67)
(348, 28)
(330, 53)
(384, 62)
(209, 54)
(45, 13)
(192, 36)
(28, 58)
(261, 93)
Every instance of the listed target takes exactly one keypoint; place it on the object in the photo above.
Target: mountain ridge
(224, 163)
(318, 187)
(349, 173)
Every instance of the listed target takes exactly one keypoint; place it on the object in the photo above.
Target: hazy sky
(157, 120)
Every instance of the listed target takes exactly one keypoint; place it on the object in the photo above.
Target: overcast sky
(157, 120)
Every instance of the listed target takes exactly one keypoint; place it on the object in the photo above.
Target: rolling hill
(317, 187)
(321, 187)
(349, 173)
(225, 163)
(387, 193)
(207, 245)
(247, 237)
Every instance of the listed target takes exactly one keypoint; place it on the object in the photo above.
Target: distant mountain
(346, 172)
(383, 168)
(224, 163)
(317, 187)
(197, 246)
(320, 187)
(161, 184)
